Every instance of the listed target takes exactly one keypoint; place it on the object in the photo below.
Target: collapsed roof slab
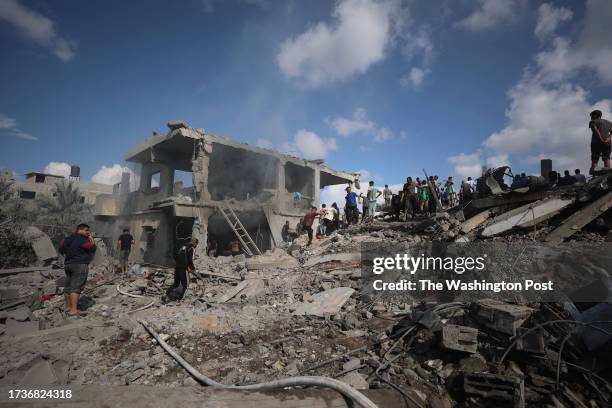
(580, 218)
(526, 216)
(178, 144)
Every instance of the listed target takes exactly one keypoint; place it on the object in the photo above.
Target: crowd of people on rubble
(417, 197)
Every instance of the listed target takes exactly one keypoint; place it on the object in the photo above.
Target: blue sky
(385, 86)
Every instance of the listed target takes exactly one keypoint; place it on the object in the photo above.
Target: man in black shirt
(124, 245)
(78, 249)
(183, 265)
(600, 140)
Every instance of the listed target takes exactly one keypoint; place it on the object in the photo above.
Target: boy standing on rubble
(79, 249)
(183, 266)
(424, 197)
(600, 140)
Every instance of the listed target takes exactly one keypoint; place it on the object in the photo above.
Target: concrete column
(200, 230)
(166, 181)
(317, 187)
(280, 176)
(125, 183)
(199, 168)
(145, 173)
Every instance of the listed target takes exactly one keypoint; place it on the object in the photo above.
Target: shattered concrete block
(352, 364)
(249, 288)
(41, 244)
(15, 328)
(526, 216)
(496, 387)
(501, 316)
(532, 342)
(355, 380)
(324, 303)
(460, 338)
(341, 257)
(41, 373)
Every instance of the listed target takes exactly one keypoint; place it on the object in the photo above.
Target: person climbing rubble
(78, 249)
(183, 266)
(307, 222)
(124, 245)
(328, 219)
(600, 140)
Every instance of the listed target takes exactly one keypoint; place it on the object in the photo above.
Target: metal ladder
(248, 245)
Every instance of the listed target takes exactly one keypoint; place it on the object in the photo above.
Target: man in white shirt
(387, 195)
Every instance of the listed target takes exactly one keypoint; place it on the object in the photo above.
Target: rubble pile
(300, 310)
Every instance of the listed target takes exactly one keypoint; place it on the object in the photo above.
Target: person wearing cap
(600, 139)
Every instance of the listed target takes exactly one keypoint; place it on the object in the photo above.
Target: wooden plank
(580, 218)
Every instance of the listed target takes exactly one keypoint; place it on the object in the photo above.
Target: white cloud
(12, 126)
(325, 53)
(58, 169)
(415, 77)
(498, 160)
(112, 175)
(418, 45)
(490, 14)
(7, 123)
(312, 146)
(382, 135)
(467, 165)
(549, 18)
(264, 143)
(37, 28)
(548, 112)
(336, 193)
(359, 124)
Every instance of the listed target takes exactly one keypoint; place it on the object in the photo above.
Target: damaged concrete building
(237, 191)
(38, 184)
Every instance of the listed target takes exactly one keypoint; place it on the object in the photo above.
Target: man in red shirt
(308, 221)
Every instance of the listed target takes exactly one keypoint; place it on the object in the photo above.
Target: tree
(62, 212)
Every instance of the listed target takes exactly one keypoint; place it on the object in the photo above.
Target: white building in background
(38, 184)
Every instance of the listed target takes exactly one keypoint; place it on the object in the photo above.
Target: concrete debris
(41, 244)
(501, 316)
(496, 387)
(355, 380)
(324, 303)
(303, 309)
(247, 288)
(460, 338)
(41, 373)
(526, 216)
